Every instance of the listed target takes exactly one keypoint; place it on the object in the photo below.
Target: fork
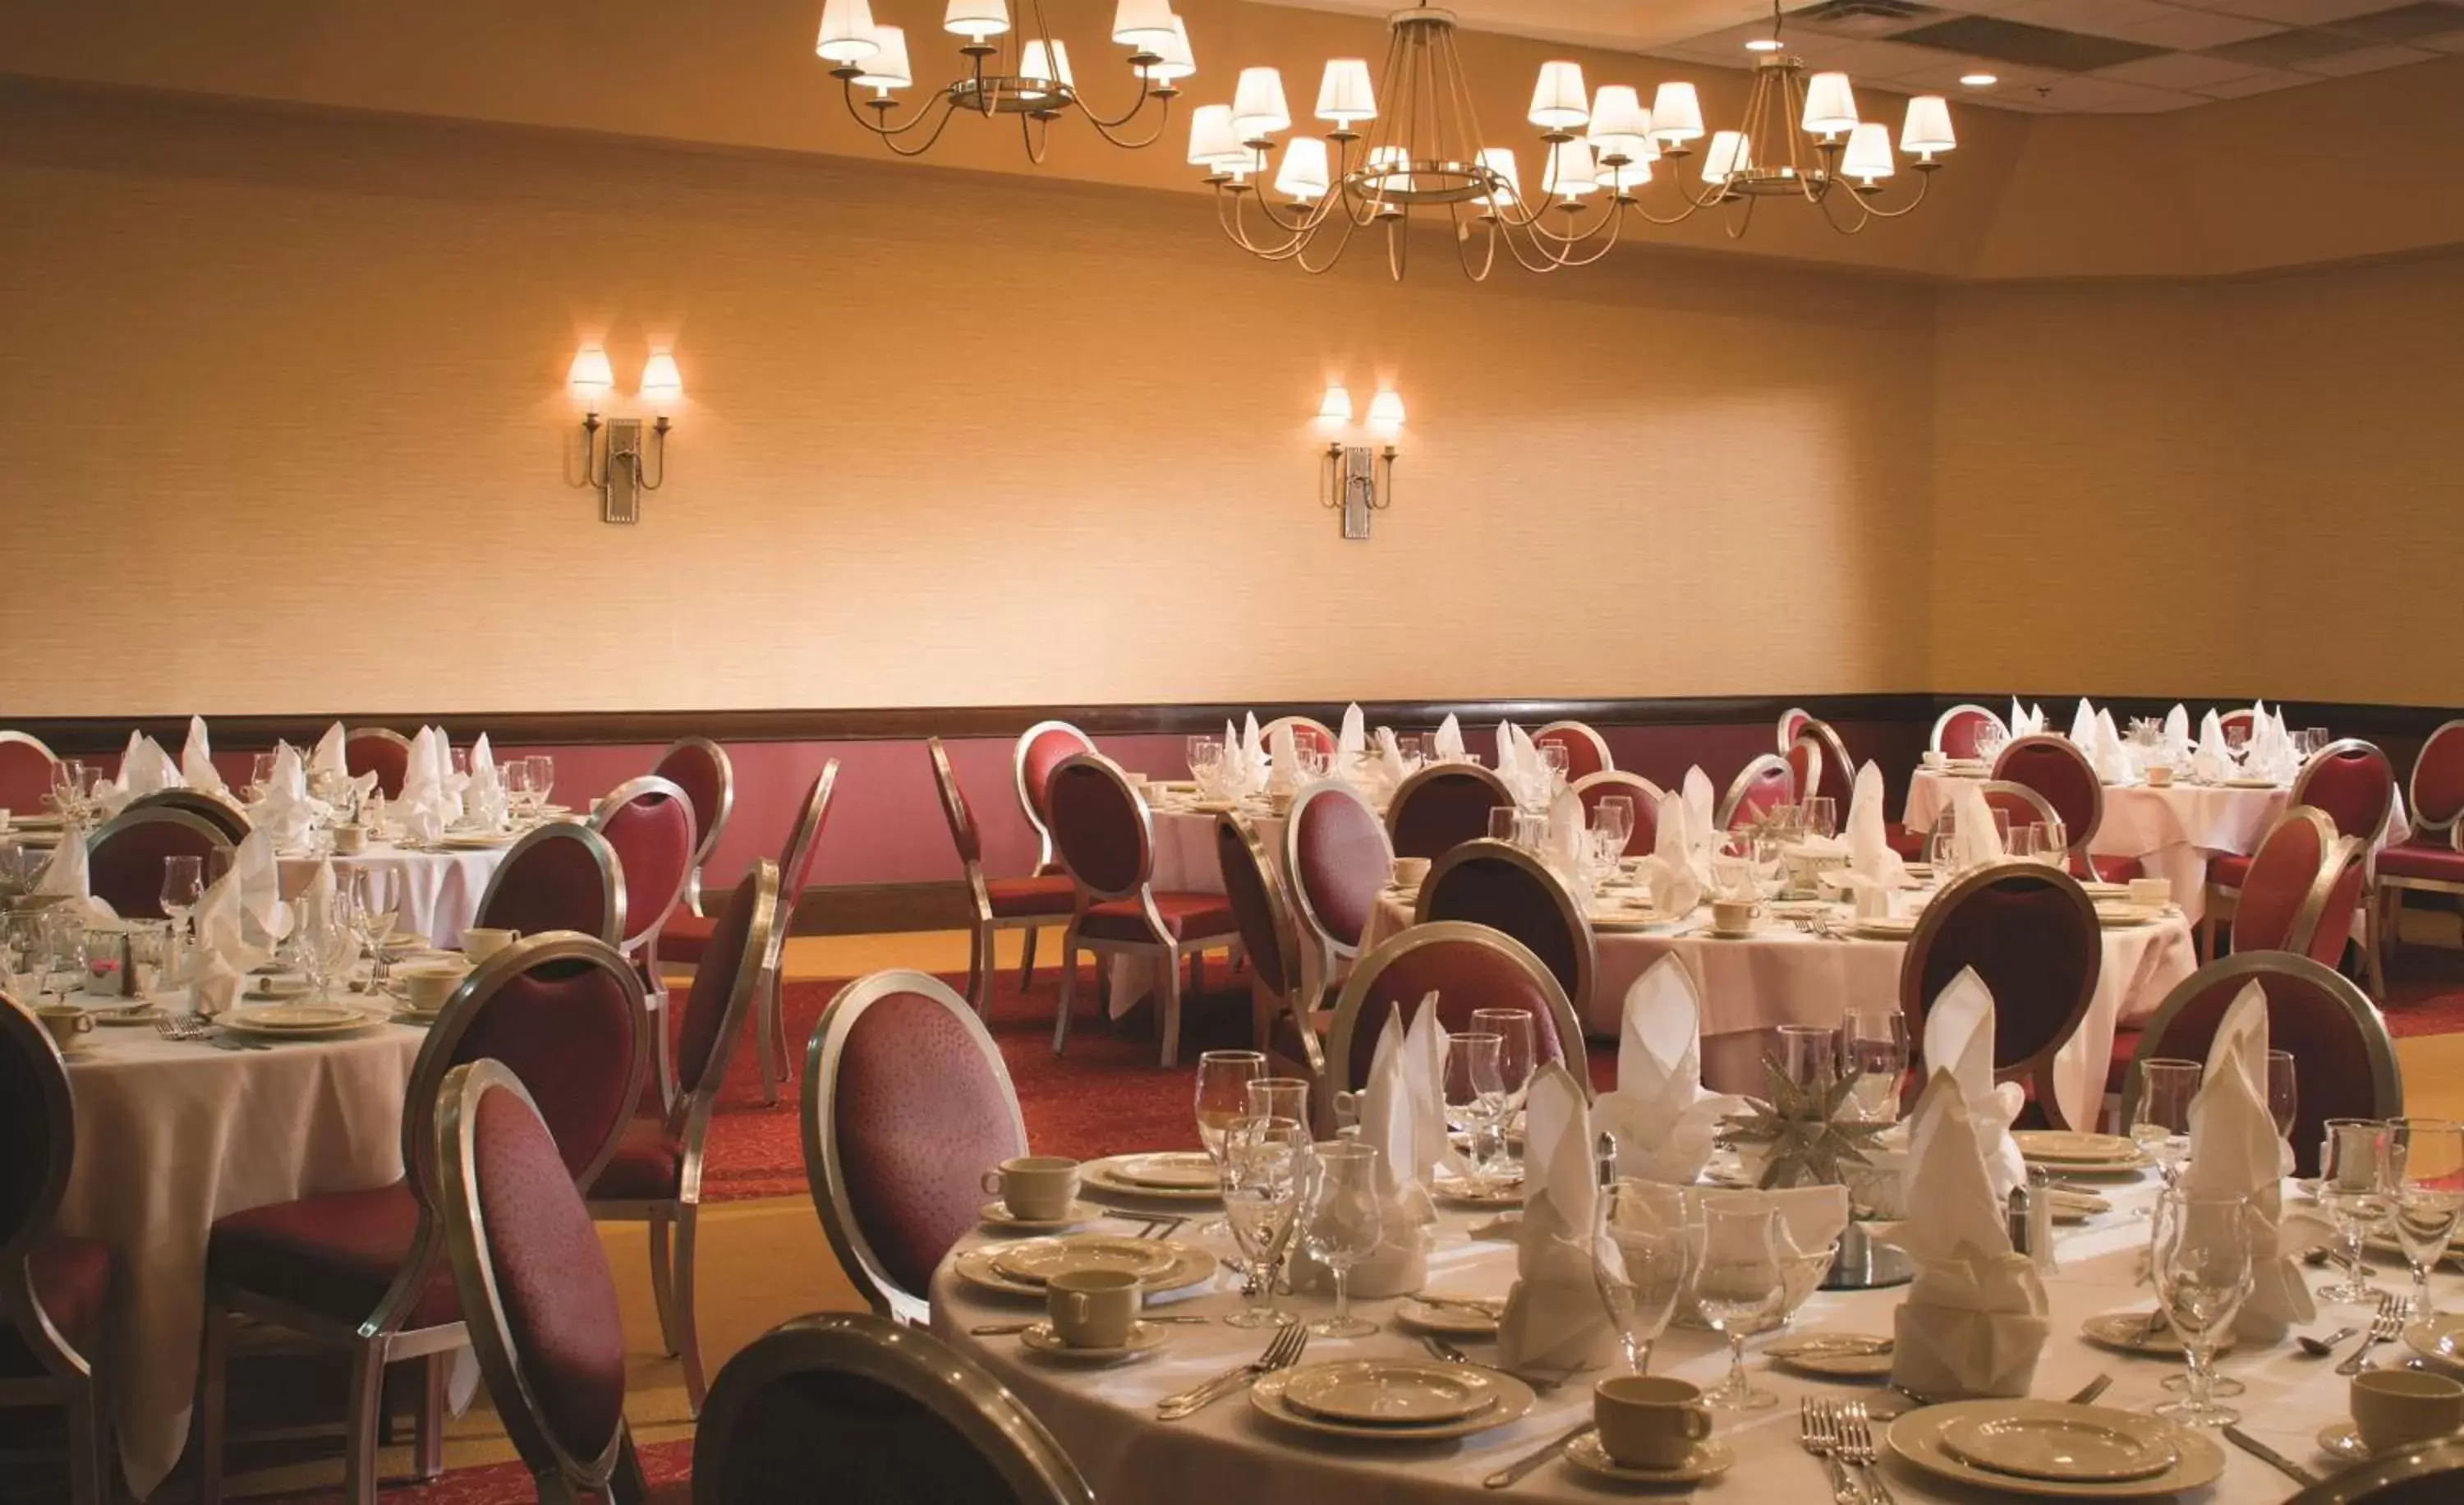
(1448, 1353)
(2385, 1325)
(1856, 1441)
(1281, 1354)
(1818, 1433)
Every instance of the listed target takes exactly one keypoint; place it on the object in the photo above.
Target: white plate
(1514, 1401)
(471, 841)
(2116, 916)
(122, 1015)
(1035, 1261)
(1172, 1171)
(2076, 1207)
(2251, 783)
(2062, 1443)
(2439, 1339)
(1101, 1176)
(1708, 1460)
(1145, 1338)
(1472, 1320)
(1895, 929)
(292, 1021)
(2099, 889)
(1192, 1266)
(1391, 1392)
(995, 1214)
(2122, 1330)
(280, 987)
(1471, 1194)
(1847, 1356)
(1916, 1437)
(2070, 1147)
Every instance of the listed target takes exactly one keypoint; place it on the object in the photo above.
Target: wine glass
(323, 942)
(1874, 1044)
(25, 951)
(1413, 749)
(1502, 819)
(1820, 815)
(1518, 1053)
(1475, 1093)
(1264, 1172)
(542, 775)
(260, 774)
(1642, 1261)
(1941, 848)
(2162, 1125)
(1552, 757)
(1809, 1056)
(513, 777)
(183, 888)
(2054, 844)
(2421, 1175)
(1345, 1225)
(1278, 1098)
(1615, 813)
(2283, 1092)
(2203, 1275)
(1205, 757)
(1741, 1283)
(375, 910)
(1224, 1078)
(2350, 1194)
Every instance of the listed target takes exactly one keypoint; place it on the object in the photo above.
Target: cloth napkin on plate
(1871, 861)
(1387, 767)
(1973, 1321)
(288, 812)
(1254, 770)
(1978, 839)
(1352, 738)
(1284, 776)
(1676, 880)
(1403, 1114)
(423, 806)
(241, 920)
(1662, 1116)
(2084, 728)
(2026, 721)
(1563, 850)
(145, 768)
(1959, 1041)
(484, 802)
(2211, 763)
(1701, 827)
(2111, 756)
(68, 873)
(1554, 1322)
(2176, 741)
(1449, 742)
(329, 759)
(1519, 766)
(2234, 1150)
(197, 761)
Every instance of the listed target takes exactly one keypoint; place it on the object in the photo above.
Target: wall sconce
(617, 470)
(1355, 479)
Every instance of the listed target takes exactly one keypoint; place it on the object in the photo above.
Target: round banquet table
(436, 893)
(1227, 1455)
(1781, 975)
(173, 1134)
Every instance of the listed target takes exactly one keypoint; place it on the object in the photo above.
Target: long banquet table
(1229, 1456)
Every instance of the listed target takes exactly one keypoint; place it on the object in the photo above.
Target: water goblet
(2350, 1194)
(2202, 1264)
(1501, 822)
(1518, 1056)
(2421, 1176)
(1476, 1094)
(1263, 1174)
(1741, 1283)
(1809, 1057)
(1874, 1045)
(1820, 814)
(1278, 1098)
(1205, 757)
(2162, 1124)
(2283, 1092)
(1615, 813)
(1344, 1224)
(542, 775)
(183, 888)
(1642, 1259)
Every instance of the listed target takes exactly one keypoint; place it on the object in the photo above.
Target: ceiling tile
(2366, 59)
(2193, 30)
(2301, 12)
(1944, 76)
(2286, 49)
(2406, 23)
(2177, 71)
(2096, 17)
(2452, 42)
(2264, 81)
(1880, 59)
(2019, 42)
(2108, 95)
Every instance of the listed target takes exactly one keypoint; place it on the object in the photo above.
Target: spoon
(2325, 1347)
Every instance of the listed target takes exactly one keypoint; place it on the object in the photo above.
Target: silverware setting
(1817, 1432)
(2384, 1326)
(1158, 1226)
(1282, 1353)
(1521, 1467)
(1446, 1352)
(2269, 1455)
(2088, 1392)
(2325, 1347)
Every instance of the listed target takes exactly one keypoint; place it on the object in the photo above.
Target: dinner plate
(2439, 1339)
(1391, 1392)
(1476, 1316)
(997, 1214)
(2062, 1443)
(298, 1021)
(2251, 783)
(1916, 1437)
(2076, 1207)
(1848, 1355)
(1192, 1266)
(2118, 917)
(1145, 1338)
(1622, 921)
(1707, 1460)
(280, 987)
(476, 841)
(1102, 1176)
(2068, 1146)
(124, 1015)
(1478, 1194)
(1514, 1401)
(1175, 1170)
(1035, 1261)
(1800, 908)
(2127, 1331)
(1891, 929)
(1214, 806)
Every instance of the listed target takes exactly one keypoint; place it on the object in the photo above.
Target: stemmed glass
(2162, 1125)
(1641, 1259)
(72, 790)
(25, 951)
(1809, 1056)
(2283, 1092)
(1414, 751)
(324, 942)
(513, 777)
(1205, 757)
(542, 777)
(183, 888)
(1820, 815)
(1741, 1283)
(1518, 1057)
(374, 913)
(1990, 739)
(1278, 1098)
(2348, 1192)
(1874, 1045)
(260, 775)
(1552, 757)
(2421, 1174)
(1346, 1222)
(1265, 1170)
(2203, 1275)
(1614, 813)
(1224, 1078)
(1476, 1095)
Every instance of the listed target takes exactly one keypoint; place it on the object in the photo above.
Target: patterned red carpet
(2424, 992)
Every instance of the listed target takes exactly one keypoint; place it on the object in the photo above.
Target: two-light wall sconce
(616, 470)
(1355, 479)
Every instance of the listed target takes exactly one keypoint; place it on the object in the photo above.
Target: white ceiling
(2172, 53)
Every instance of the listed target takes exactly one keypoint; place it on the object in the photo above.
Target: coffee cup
(66, 1024)
(1410, 872)
(2154, 893)
(481, 944)
(2160, 775)
(2394, 1407)
(1036, 1188)
(1936, 757)
(1734, 916)
(425, 985)
(350, 840)
(1648, 1422)
(1093, 1307)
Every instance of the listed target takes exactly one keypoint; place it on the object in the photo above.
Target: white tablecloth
(1782, 975)
(173, 1135)
(437, 892)
(1229, 1456)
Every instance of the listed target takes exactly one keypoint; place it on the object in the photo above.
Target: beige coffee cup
(1036, 1188)
(67, 1023)
(481, 944)
(2160, 775)
(2154, 893)
(2393, 1407)
(1410, 872)
(350, 840)
(1734, 916)
(425, 985)
(1936, 757)
(1093, 1307)
(1648, 1422)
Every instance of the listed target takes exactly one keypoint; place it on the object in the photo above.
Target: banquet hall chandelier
(1022, 71)
(1415, 144)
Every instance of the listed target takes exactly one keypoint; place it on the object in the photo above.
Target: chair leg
(213, 1355)
(427, 1436)
(1026, 960)
(2374, 939)
(89, 1445)
(1068, 984)
(687, 1341)
(770, 1043)
(664, 1051)
(1169, 1003)
(360, 1423)
(663, 1284)
(979, 960)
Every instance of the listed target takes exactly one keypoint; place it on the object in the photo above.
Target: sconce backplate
(619, 500)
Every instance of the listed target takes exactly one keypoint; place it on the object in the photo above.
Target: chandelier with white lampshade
(1022, 71)
(1413, 143)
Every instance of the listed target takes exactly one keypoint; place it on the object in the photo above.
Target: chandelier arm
(1236, 226)
(1576, 237)
(1924, 179)
(1039, 144)
(1342, 243)
(1830, 217)
(890, 138)
(1146, 91)
(1739, 224)
(879, 126)
(1462, 246)
(1537, 259)
(1399, 251)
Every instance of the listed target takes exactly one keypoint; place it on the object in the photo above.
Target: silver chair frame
(1303, 983)
(2385, 919)
(719, 823)
(2079, 837)
(1791, 722)
(1831, 750)
(2045, 814)
(1587, 733)
(1578, 925)
(1411, 786)
(214, 810)
(1044, 861)
(986, 925)
(1637, 786)
(612, 872)
(382, 734)
(2225, 894)
(1914, 1006)
(1942, 722)
(1328, 950)
(2324, 828)
(1354, 997)
(770, 1022)
(2387, 1073)
(1747, 777)
(1266, 733)
(642, 943)
(139, 813)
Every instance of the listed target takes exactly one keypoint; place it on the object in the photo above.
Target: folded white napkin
(2026, 720)
(1254, 770)
(2234, 1150)
(428, 804)
(484, 803)
(1662, 1116)
(1283, 777)
(1676, 882)
(1387, 767)
(1568, 835)
(1959, 1040)
(288, 811)
(1978, 839)
(145, 768)
(1553, 1321)
(1403, 1116)
(1871, 861)
(197, 759)
(1449, 742)
(1973, 1321)
(2212, 762)
(1519, 766)
(2111, 756)
(329, 758)
(2084, 728)
(241, 920)
(1352, 738)
(1701, 823)
(67, 873)
(2176, 743)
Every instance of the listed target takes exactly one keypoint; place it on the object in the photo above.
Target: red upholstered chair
(379, 750)
(2244, 719)
(125, 856)
(1040, 750)
(700, 767)
(25, 772)
(1336, 851)
(2324, 925)
(1108, 843)
(1286, 986)
(1644, 794)
(53, 1289)
(529, 1269)
(654, 1176)
(1955, 731)
(1029, 903)
(213, 809)
(561, 875)
(1834, 773)
(2030, 932)
(1469, 967)
(1791, 722)
(649, 822)
(1761, 786)
(1305, 733)
(2432, 860)
(2022, 805)
(1587, 751)
(2059, 772)
(1442, 805)
(2351, 782)
(2346, 1064)
(364, 1270)
(1499, 885)
(2278, 883)
(1805, 765)
(885, 1414)
(906, 1104)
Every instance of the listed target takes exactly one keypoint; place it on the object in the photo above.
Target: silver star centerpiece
(1809, 1141)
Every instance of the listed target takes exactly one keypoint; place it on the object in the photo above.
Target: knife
(2269, 1455)
(2092, 1389)
(1530, 1461)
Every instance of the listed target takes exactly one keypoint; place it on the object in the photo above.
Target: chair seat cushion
(334, 1254)
(684, 936)
(1054, 893)
(1908, 843)
(2420, 860)
(647, 1166)
(2228, 869)
(71, 1278)
(2117, 870)
(2125, 1049)
(1184, 916)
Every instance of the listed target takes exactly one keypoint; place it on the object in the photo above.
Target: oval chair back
(804, 842)
(1791, 722)
(1340, 860)
(2245, 718)
(538, 1298)
(1645, 795)
(213, 808)
(1442, 805)
(2030, 934)
(1761, 786)
(125, 856)
(742, 957)
(2347, 1063)
(1305, 733)
(907, 1104)
(380, 750)
(1499, 885)
(1041, 750)
(38, 1120)
(1469, 967)
(2289, 860)
(1836, 774)
(702, 769)
(2022, 805)
(888, 1414)
(2353, 781)
(1277, 961)
(649, 822)
(964, 835)
(1100, 830)
(1957, 731)
(563, 875)
(2323, 926)
(1587, 751)
(2438, 779)
(25, 771)
(2061, 775)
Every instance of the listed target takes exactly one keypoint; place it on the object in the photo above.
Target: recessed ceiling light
(1763, 44)
(1979, 80)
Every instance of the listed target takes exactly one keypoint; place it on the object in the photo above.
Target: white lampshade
(887, 68)
(1213, 142)
(1676, 114)
(1570, 173)
(1626, 177)
(1868, 157)
(1173, 60)
(1258, 108)
(975, 19)
(1927, 127)
(590, 377)
(1500, 160)
(1620, 126)
(1041, 64)
(1383, 158)
(1335, 406)
(1558, 101)
(661, 381)
(1829, 104)
(1142, 25)
(1730, 153)
(846, 31)
(1344, 95)
(1386, 408)
(1304, 174)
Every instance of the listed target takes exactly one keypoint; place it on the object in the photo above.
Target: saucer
(1846, 1356)
(1707, 1460)
(2342, 1440)
(1145, 1338)
(994, 1214)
